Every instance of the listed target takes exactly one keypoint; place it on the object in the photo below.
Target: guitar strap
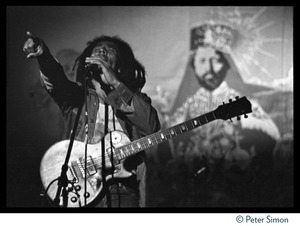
(106, 121)
(111, 144)
(108, 196)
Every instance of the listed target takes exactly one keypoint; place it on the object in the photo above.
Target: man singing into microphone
(113, 78)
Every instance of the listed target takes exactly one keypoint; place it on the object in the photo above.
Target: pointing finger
(31, 35)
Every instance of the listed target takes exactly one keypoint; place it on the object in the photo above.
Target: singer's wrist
(116, 84)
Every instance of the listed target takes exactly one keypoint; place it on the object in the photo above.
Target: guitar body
(54, 158)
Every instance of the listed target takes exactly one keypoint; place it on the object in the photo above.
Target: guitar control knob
(245, 116)
(230, 100)
(87, 195)
(238, 118)
(77, 187)
(237, 97)
(73, 199)
(70, 189)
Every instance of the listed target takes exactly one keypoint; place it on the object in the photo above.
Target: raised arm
(53, 78)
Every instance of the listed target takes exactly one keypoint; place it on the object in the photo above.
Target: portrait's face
(210, 67)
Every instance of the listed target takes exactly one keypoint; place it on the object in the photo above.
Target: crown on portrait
(218, 36)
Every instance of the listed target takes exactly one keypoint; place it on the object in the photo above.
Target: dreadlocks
(131, 72)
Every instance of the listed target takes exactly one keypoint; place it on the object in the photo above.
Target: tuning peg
(238, 118)
(245, 116)
(237, 97)
(230, 119)
(230, 100)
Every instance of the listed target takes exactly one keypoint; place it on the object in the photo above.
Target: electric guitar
(85, 183)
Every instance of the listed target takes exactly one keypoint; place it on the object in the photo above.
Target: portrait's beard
(209, 81)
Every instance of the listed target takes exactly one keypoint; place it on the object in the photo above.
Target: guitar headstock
(240, 106)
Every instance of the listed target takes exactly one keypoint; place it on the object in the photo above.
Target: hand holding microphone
(94, 68)
(99, 65)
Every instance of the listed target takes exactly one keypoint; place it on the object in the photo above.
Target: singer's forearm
(52, 73)
(46, 61)
(57, 84)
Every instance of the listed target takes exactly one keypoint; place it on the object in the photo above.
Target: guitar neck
(163, 135)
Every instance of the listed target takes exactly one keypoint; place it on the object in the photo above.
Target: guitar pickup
(91, 168)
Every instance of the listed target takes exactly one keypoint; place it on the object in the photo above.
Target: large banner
(234, 52)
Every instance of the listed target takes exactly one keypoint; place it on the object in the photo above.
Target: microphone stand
(63, 180)
(86, 140)
(108, 197)
(90, 69)
(95, 69)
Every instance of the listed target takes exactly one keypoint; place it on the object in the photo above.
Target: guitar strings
(156, 137)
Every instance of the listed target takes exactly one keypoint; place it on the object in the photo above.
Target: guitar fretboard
(161, 136)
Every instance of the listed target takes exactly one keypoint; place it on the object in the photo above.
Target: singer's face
(107, 51)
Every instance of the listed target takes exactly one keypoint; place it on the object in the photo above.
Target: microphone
(93, 72)
(93, 68)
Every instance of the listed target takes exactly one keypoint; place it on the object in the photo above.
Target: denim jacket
(134, 111)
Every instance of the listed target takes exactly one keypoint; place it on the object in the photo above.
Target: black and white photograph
(149, 108)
